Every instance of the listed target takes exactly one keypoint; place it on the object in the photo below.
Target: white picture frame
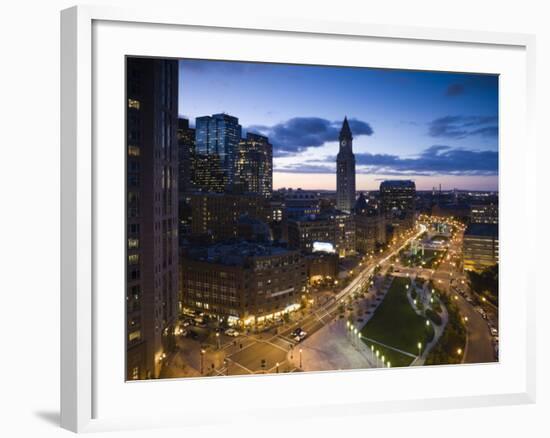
(83, 381)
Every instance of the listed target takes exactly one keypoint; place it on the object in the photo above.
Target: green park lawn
(396, 324)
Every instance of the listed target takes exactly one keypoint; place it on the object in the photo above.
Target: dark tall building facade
(152, 213)
(186, 153)
(186, 148)
(216, 216)
(208, 174)
(254, 165)
(345, 170)
(397, 198)
(219, 135)
(370, 226)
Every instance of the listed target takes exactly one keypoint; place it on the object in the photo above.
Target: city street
(479, 345)
(274, 350)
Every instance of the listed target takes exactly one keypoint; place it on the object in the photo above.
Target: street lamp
(203, 351)
(277, 367)
(218, 339)
(300, 358)
(419, 348)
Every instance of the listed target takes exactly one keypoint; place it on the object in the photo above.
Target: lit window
(133, 104)
(135, 335)
(133, 243)
(133, 259)
(133, 151)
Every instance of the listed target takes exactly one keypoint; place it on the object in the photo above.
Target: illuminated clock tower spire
(345, 170)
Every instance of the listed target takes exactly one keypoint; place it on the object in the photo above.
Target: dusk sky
(433, 128)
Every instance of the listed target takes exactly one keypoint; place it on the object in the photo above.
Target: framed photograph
(276, 217)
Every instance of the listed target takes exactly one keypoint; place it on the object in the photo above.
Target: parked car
(494, 331)
(232, 332)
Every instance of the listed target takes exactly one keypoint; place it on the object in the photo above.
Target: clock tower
(345, 170)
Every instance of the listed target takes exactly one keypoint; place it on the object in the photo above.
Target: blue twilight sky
(435, 128)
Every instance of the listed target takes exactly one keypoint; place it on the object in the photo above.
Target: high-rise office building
(186, 148)
(345, 170)
(397, 198)
(215, 216)
(208, 174)
(480, 246)
(152, 213)
(484, 213)
(254, 165)
(219, 134)
(186, 152)
(370, 227)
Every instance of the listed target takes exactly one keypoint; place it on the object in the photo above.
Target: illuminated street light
(203, 351)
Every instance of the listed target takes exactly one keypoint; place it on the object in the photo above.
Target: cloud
(306, 168)
(477, 83)
(459, 127)
(299, 133)
(455, 89)
(435, 160)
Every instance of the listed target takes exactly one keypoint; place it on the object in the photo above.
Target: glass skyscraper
(219, 134)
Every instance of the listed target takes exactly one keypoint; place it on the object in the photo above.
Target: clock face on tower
(343, 142)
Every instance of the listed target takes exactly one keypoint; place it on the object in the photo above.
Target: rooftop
(324, 216)
(484, 230)
(236, 254)
(397, 183)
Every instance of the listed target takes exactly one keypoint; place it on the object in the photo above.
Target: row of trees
(449, 349)
(485, 283)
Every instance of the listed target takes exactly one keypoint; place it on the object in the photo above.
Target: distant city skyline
(431, 127)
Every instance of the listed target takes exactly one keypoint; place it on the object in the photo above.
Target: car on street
(494, 331)
(299, 334)
(232, 332)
